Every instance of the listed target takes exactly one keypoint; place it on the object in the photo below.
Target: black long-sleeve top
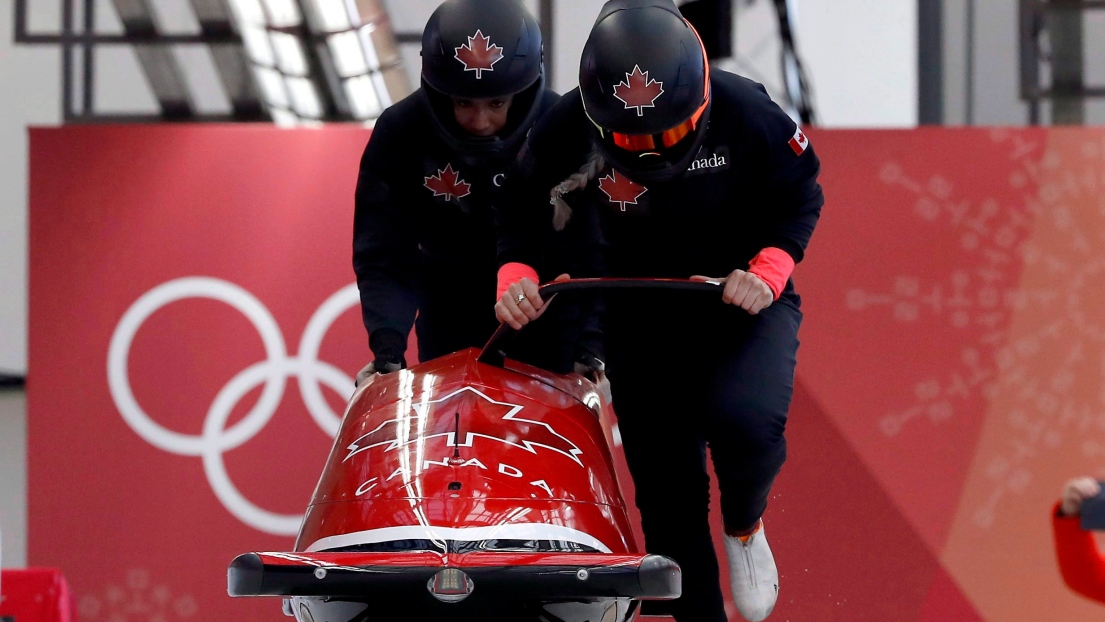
(423, 239)
(746, 190)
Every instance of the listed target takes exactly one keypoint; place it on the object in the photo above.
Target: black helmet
(645, 81)
(479, 49)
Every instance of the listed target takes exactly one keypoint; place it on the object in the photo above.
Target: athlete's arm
(385, 248)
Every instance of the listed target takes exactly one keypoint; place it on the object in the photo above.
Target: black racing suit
(423, 240)
(686, 370)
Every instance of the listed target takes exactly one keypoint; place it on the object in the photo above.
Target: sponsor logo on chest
(710, 162)
(449, 185)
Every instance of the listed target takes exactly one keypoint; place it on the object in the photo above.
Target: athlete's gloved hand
(376, 367)
(743, 289)
(1075, 492)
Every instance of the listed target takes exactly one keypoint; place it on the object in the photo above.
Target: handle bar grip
(493, 353)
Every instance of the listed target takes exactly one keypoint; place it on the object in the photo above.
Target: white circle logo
(273, 372)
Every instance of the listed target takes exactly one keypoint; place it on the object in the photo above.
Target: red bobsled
(469, 487)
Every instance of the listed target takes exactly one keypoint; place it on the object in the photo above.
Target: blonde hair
(562, 212)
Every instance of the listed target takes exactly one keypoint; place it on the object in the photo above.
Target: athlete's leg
(665, 449)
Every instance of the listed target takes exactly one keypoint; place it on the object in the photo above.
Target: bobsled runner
(469, 487)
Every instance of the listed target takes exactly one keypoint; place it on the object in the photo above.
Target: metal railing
(1051, 42)
(257, 85)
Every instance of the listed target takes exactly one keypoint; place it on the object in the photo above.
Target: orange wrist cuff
(774, 266)
(511, 273)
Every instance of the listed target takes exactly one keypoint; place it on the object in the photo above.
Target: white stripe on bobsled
(511, 531)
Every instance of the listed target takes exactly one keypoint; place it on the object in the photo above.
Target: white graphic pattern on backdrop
(1047, 413)
(137, 600)
(273, 373)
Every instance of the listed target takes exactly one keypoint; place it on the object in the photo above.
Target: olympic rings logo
(273, 372)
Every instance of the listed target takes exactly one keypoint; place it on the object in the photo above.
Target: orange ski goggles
(655, 142)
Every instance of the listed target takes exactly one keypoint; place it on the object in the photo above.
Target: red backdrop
(194, 332)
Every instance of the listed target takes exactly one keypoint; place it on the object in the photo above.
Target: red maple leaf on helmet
(479, 55)
(620, 189)
(638, 91)
(448, 182)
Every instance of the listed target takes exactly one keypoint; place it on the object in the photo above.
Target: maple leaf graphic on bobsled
(469, 487)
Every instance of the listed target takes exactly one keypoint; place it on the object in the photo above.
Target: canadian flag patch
(799, 142)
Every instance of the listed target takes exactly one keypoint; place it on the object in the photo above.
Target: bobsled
(469, 487)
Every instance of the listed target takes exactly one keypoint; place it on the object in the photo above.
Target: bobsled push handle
(494, 352)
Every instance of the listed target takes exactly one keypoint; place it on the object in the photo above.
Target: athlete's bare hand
(1075, 492)
(743, 289)
(521, 303)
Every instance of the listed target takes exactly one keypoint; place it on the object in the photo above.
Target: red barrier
(35, 595)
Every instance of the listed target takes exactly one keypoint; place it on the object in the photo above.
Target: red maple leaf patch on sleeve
(448, 182)
(621, 189)
(479, 55)
(638, 91)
